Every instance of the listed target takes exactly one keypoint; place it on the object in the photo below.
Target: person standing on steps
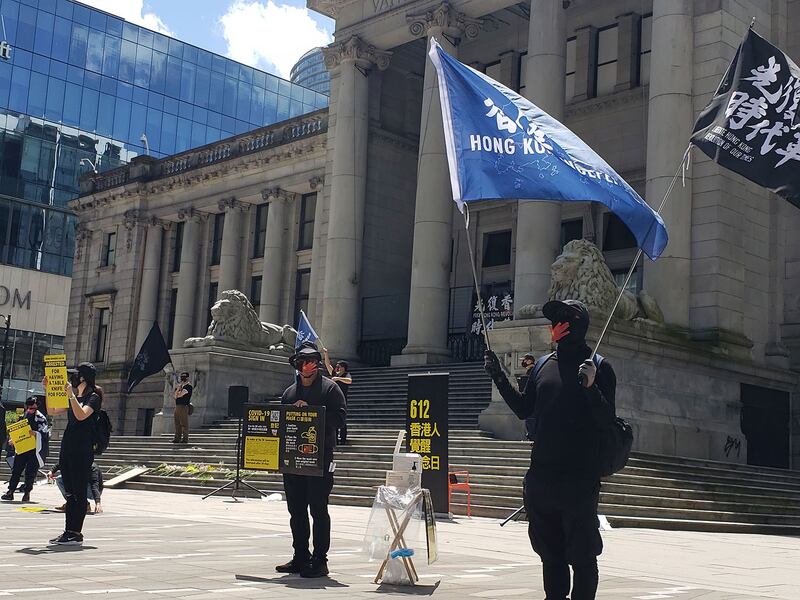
(31, 461)
(77, 447)
(341, 375)
(183, 401)
(570, 396)
(306, 493)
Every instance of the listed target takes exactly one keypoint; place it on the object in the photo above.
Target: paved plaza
(160, 545)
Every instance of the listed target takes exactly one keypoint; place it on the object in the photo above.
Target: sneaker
(62, 508)
(8, 496)
(26, 497)
(58, 537)
(68, 538)
(316, 568)
(293, 566)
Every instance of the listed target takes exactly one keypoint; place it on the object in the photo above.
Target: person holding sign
(77, 452)
(305, 492)
(30, 432)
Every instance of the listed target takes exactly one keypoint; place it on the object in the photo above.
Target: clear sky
(268, 34)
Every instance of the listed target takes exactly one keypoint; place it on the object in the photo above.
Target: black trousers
(343, 434)
(306, 494)
(75, 468)
(564, 531)
(24, 463)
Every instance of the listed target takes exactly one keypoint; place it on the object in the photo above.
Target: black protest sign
(752, 124)
(426, 432)
(285, 439)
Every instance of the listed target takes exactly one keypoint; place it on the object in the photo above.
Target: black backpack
(616, 436)
(102, 432)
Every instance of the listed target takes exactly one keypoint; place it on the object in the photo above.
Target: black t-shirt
(343, 386)
(187, 399)
(323, 392)
(79, 435)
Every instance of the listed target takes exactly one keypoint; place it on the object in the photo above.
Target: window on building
(616, 234)
(571, 230)
(101, 339)
(173, 304)
(635, 282)
(308, 206)
(569, 85)
(177, 245)
(496, 249)
(213, 290)
(301, 291)
(216, 237)
(110, 249)
(260, 234)
(255, 291)
(645, 46)
(606, 75)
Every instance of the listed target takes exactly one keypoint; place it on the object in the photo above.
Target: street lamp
(90, 163)
(7, 319)
(143, 139)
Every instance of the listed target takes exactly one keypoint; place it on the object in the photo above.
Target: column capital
(445, 18)
(229, 204)
(356, 50)
(190, 214)
(276, 193)
(134, 217)
(316, 182)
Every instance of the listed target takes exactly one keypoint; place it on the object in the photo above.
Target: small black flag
(752, 124)
(152, 357)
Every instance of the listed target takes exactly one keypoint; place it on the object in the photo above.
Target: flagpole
(681, 168)
(475, 277)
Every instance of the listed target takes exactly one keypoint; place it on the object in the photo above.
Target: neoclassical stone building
(348, 212)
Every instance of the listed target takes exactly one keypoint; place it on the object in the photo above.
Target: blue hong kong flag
(501, 146)
(305, 332)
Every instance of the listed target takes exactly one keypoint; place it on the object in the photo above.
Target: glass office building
(310, 71)
(81, 89)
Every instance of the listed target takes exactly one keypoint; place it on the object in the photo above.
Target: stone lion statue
(236, 323)
(580, 272)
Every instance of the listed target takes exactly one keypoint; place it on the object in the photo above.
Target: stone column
(187, 278)
(539, 223)
(433, 214)
(272, 269)
(352, 59)
(151, 274)
(231, 252)
(316, 184)
(670, 119)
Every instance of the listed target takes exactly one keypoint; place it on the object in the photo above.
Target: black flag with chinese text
(153, 356)
(752, 124)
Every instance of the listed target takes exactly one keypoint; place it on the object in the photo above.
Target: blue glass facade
(310, 71)
(82, 84)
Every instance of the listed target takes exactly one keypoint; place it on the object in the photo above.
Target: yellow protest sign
(20, 434)
(261, 453)
(55, 369)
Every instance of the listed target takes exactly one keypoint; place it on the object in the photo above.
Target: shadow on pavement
(53, 549)
(296, 582)
(408, 590)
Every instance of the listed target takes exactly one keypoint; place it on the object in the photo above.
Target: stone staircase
(377, 397)
(652, 491)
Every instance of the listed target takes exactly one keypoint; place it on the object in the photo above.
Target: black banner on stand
(427, 433)
(284, 439)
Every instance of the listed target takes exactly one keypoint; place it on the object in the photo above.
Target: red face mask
(559, 331)
(308, 368)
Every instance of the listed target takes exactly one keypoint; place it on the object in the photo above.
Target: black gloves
(491, 364)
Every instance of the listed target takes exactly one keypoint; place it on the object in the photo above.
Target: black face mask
(74, 379)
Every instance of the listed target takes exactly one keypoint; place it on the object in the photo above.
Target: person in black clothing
(29, 462)
(77, 448)
(183, 398)
(528, 362)
(341, 375)
(94, 488)
(303, 492)
(570, 399)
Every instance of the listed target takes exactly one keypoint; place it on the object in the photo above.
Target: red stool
(459, 481)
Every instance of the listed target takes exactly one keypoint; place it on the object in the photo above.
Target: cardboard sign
(20, 434)
(55, 369)
(430, 527)
(426, 429)
(284, 438)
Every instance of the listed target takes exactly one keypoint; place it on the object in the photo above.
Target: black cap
(528, 355)
(88, 371)
(557, 311)
(306, 351)
(31, 400)
(184, 373)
